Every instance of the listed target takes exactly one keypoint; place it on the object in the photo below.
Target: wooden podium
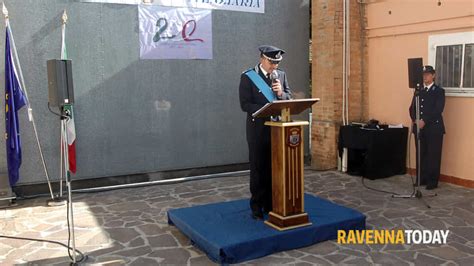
(287, 163)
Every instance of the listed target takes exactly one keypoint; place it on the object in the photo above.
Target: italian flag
(70, 127)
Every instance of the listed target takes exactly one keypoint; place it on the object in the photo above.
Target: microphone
(273, 76)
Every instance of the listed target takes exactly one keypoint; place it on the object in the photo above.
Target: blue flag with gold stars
(14, 101)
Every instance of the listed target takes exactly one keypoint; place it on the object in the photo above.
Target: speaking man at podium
(258, 86)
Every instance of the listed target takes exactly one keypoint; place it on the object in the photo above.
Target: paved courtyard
(129, 226)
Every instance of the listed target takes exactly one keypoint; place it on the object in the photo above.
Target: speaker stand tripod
(59, 199)
(65, 117)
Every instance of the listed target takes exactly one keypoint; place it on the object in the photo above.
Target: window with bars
(454, 66)
(468, 75)
(453, 58)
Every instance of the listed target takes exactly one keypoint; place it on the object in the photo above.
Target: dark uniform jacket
(258, 138)
(431, 109)
(252, 99)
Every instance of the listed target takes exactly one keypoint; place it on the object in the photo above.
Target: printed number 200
(162, 24)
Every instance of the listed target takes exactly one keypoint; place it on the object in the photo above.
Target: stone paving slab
(129, 226)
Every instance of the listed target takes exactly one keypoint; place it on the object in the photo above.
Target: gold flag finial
(64, 17)
(5, 10)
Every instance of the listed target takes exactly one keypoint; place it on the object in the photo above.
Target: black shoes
(258, 211)
(257, 214)
(431, 187)
(266, 210)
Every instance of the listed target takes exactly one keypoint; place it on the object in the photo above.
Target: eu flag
(14, 101)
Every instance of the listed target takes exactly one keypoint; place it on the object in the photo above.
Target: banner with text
(255, 6)
(126, 2)
(175, 33)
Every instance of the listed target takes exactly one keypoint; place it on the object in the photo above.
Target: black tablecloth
(374, 153)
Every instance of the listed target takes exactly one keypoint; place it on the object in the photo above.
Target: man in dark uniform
(431, 128)
(258, 86)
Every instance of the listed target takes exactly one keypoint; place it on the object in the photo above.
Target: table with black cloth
(374, 153)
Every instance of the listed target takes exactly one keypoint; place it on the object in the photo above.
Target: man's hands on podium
(276, 87)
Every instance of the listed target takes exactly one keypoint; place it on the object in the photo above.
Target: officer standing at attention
(431, 128)
(258, 86)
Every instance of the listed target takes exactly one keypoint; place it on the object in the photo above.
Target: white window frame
(461, 38)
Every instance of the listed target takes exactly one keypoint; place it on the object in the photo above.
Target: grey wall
(138, 116)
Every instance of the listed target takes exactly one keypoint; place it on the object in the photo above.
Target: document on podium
(274, 108)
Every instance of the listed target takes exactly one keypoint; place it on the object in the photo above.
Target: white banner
(175, 33)
(127, 2)
(256, 6)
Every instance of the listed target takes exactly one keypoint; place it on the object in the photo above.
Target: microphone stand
(416, 187)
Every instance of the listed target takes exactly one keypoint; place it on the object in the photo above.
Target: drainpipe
(345, 73)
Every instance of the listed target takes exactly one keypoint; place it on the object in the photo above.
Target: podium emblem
(294, 136)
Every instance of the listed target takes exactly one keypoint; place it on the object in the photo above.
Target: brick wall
(327, 76)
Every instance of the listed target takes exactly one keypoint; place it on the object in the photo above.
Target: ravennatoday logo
(392, 236)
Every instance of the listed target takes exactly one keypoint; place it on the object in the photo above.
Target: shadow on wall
(137, 116)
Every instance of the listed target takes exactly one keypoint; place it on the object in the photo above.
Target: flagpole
(64, 153)
(63, 37)
(30, 110)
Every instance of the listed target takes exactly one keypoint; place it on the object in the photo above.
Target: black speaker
(60, 84)
(415, 72)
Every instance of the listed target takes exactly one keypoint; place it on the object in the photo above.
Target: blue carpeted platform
(227, 233)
